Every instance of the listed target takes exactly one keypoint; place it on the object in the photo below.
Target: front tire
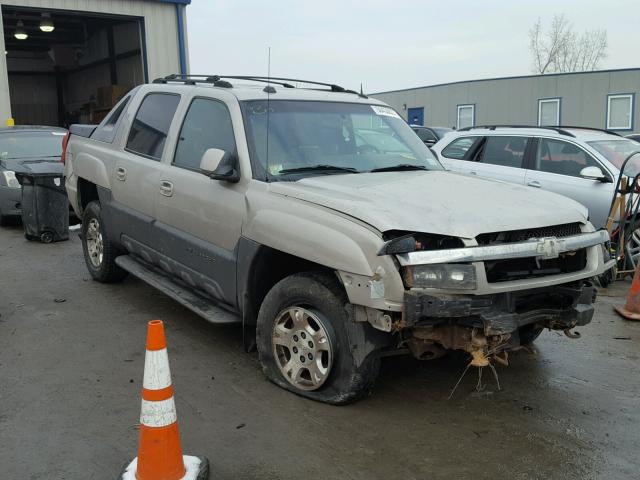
(303, 340)
(99, 251)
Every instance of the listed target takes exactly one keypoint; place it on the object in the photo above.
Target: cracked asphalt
(71, 362)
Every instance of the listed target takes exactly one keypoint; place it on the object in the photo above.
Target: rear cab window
(459, 148)
(106, 131)
(151, 124)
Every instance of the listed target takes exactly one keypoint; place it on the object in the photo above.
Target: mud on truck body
(320, 221)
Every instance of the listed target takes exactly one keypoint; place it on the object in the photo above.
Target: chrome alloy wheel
(94, 242)
(302, 348)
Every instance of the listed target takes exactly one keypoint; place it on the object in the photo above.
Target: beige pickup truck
(316, 218)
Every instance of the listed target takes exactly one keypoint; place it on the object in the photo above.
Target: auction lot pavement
(71, 362)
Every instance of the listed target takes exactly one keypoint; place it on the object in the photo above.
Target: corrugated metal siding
(515, 100)
(161, 34)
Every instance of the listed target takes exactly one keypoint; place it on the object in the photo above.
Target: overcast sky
(389, 45)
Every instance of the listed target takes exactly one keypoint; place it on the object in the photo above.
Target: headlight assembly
(446, 276)
(10, 179)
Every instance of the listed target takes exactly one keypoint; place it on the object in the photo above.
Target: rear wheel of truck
(99, 252)
(303, 341)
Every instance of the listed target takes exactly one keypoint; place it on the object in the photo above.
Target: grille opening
(558, 231)
(519, 268)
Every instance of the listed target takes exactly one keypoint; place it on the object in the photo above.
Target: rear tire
(99, 251)
(313, 303)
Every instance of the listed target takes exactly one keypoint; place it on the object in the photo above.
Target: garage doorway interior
(69, 67)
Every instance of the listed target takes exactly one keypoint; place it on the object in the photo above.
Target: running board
(198, 304)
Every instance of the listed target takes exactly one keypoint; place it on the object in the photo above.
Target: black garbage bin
(45, 206)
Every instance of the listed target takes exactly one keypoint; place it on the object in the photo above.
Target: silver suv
(317, 219)
(580, 163)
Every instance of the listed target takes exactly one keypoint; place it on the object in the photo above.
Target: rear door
(136, 173)
(199, 219)
(501, 158)
(556, 166)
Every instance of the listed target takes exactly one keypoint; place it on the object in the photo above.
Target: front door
(415, 116)
(136, 173)
(200, 219)
(556, 167)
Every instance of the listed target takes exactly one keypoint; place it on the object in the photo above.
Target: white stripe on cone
(156, 370)
(159, 413)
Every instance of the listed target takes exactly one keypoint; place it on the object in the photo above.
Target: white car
(580, 163)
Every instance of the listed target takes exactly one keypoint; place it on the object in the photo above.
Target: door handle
(121, 174)
(166, 188)
(534, 183)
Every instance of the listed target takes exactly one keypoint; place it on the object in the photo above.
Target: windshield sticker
(386, 111)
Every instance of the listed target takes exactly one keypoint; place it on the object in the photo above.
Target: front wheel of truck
(303, 340)
(99, 252)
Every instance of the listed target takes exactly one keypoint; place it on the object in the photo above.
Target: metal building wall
(160, 25)
(515, 100)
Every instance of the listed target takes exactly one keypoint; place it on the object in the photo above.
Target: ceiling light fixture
(46, 24)
(20, 33)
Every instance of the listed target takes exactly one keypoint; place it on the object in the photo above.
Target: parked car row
(579, 163)
(25, 146)
(323, 224)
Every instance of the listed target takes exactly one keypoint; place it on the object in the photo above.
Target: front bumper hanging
(558, 308)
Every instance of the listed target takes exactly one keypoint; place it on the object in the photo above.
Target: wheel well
(269, 266)
(87, 192)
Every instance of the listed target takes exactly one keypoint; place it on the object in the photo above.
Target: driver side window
(562, 158)
(206, 125)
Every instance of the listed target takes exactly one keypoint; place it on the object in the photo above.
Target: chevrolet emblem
(548, 248)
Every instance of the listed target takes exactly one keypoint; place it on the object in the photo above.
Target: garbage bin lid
(34, 167)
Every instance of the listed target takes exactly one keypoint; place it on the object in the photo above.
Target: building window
(620, 112)
(549, 111)
(466, 116)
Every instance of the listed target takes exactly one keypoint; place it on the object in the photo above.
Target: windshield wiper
(319, 168)
(399, 168)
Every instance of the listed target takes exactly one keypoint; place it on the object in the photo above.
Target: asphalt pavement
(71, 363)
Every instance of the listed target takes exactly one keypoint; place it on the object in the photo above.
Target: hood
(438, 202)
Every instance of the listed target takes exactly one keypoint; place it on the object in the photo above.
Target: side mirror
(594, 173)
(220, 165)
(430, 142)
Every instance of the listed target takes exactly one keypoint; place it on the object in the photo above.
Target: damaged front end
(487, 296)
(486, 325)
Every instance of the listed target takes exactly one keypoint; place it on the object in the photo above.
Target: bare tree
(561, 49)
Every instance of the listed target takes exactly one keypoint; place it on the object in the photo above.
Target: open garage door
(69, 67)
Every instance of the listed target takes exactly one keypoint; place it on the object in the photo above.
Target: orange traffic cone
(159, 452)
(631, 310)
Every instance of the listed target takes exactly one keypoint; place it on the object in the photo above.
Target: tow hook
(571, 334)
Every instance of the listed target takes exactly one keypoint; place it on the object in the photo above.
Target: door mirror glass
(593, 173)
(211, 159)
(220, 165)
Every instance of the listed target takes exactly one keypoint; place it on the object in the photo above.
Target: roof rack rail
(604, 130)
(560, 130)
(218, 81)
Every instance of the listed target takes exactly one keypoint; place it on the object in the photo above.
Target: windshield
(41, 144)
(318, 138)
(617, 151)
